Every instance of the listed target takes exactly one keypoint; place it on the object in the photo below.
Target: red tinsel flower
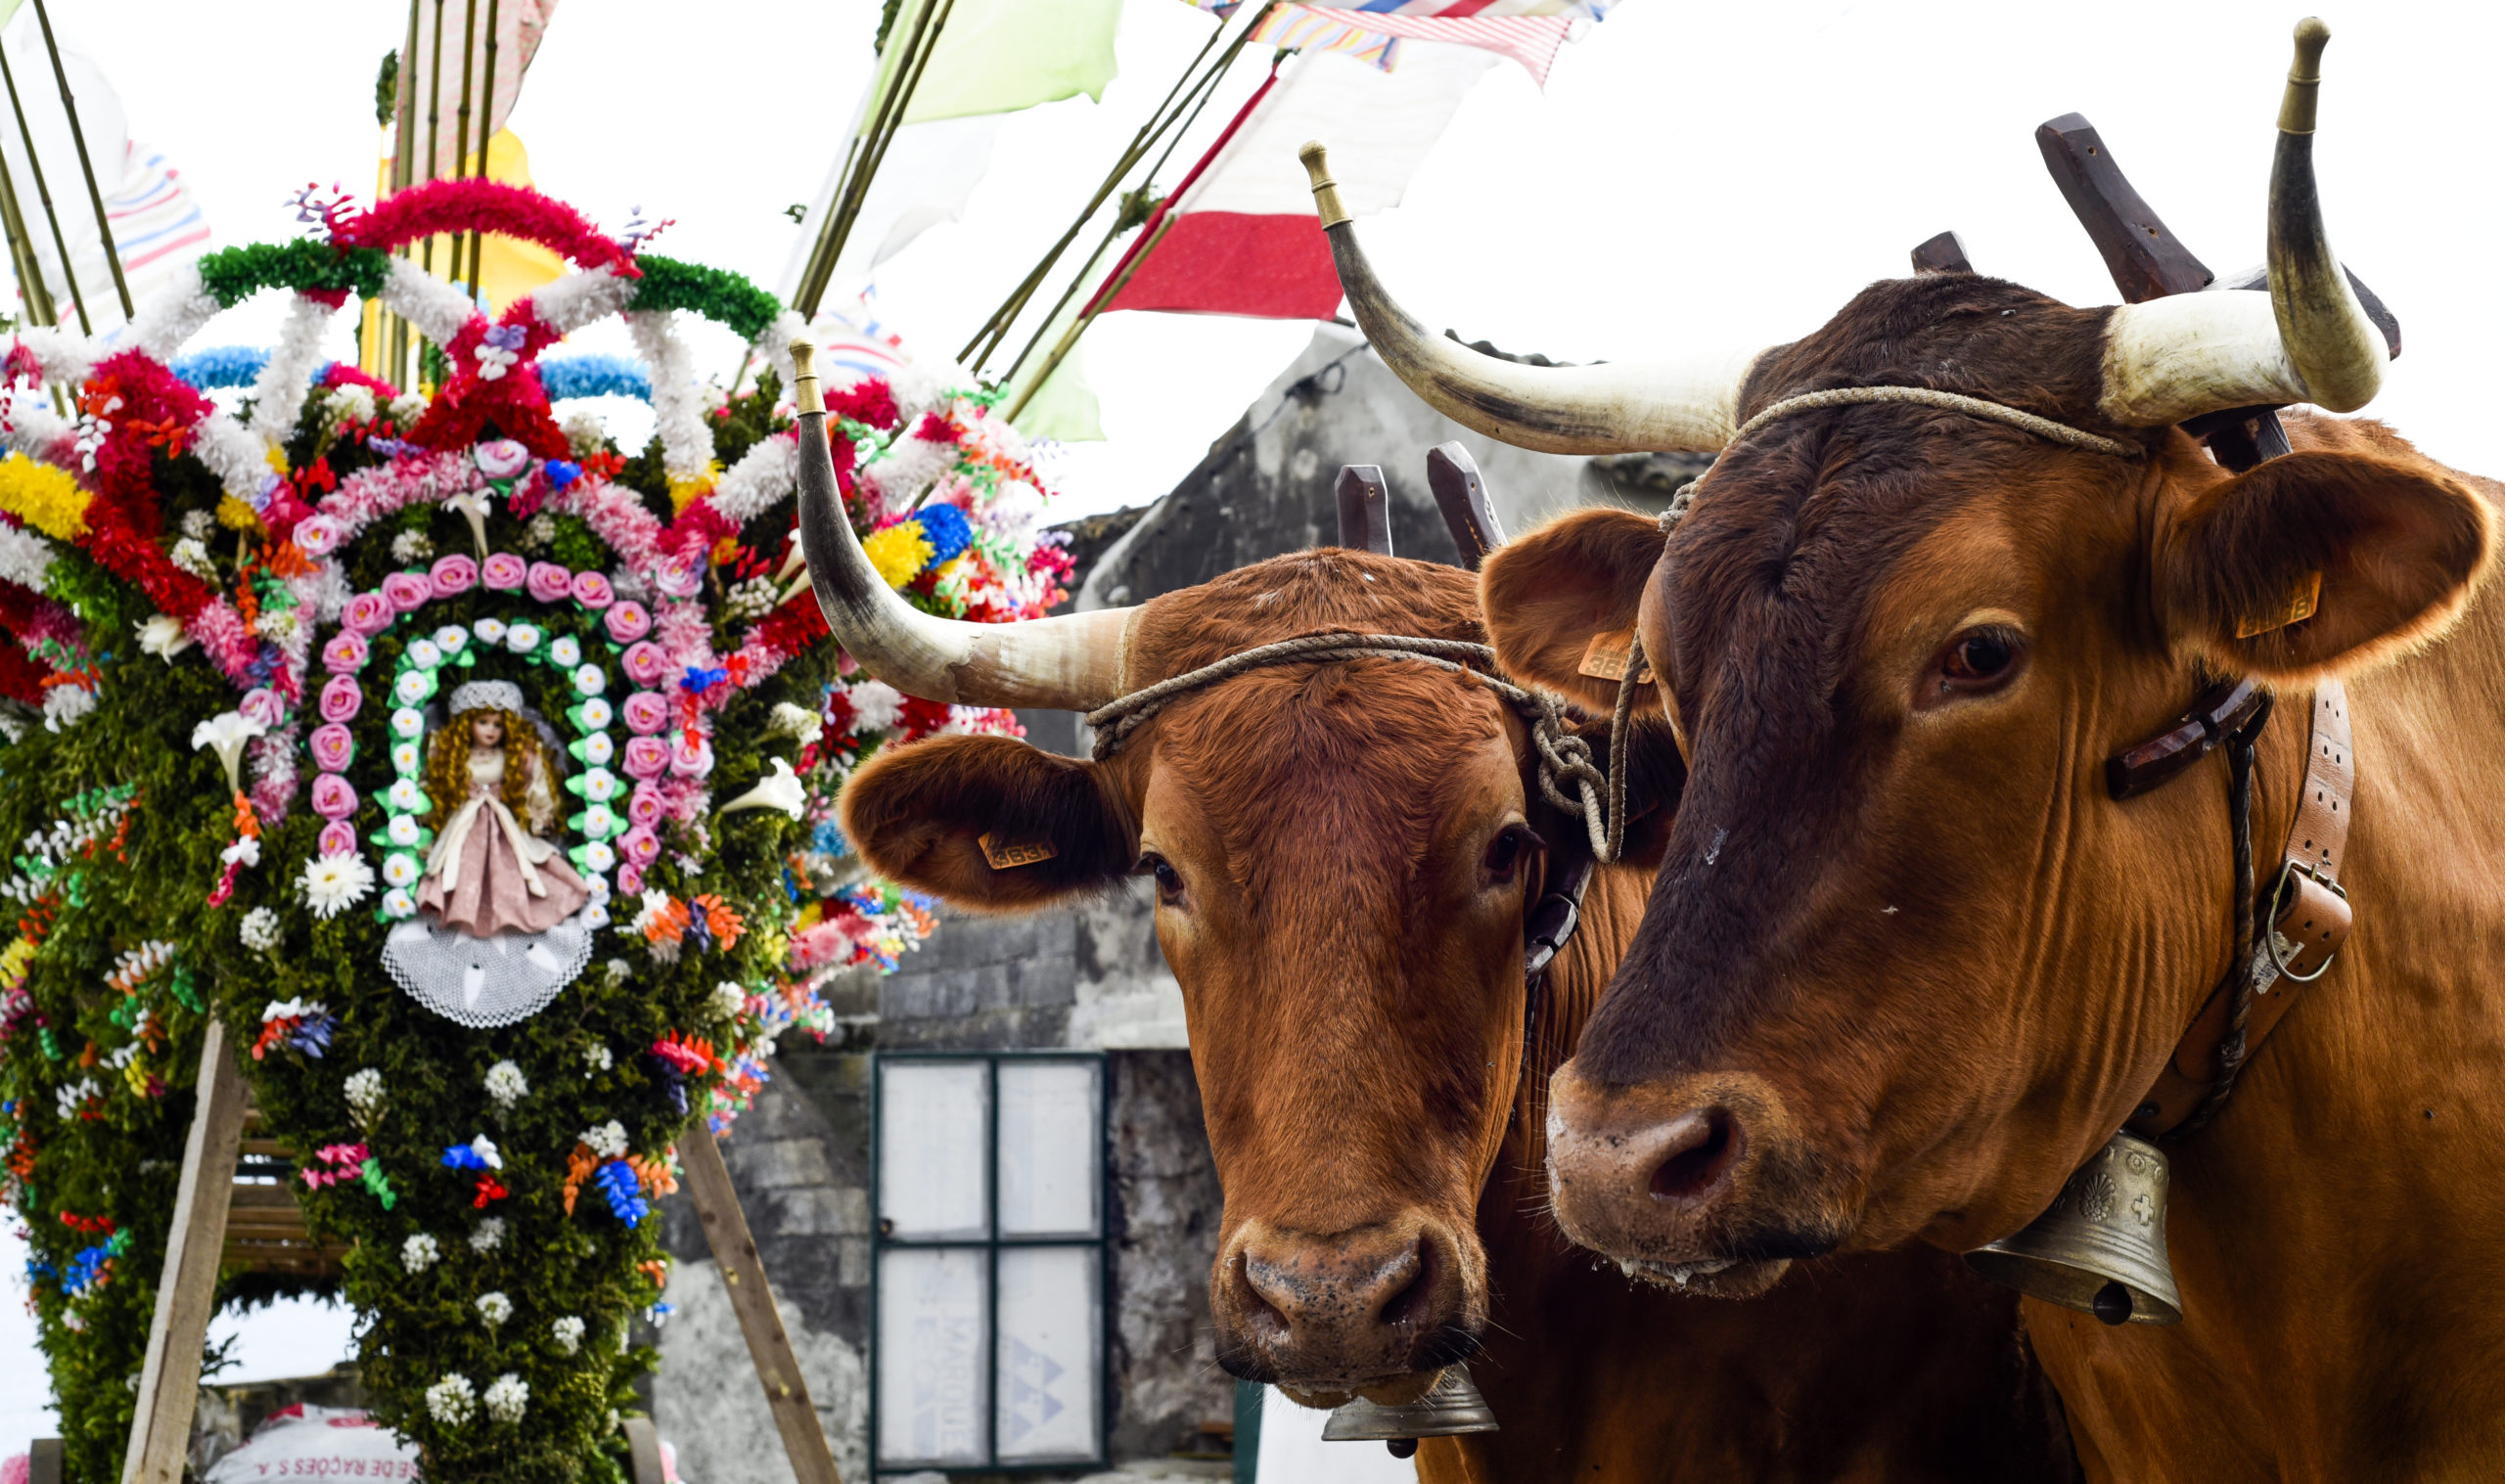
(489, 1189)
(871, 401)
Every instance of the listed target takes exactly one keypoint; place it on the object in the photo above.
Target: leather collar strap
(2309, 918)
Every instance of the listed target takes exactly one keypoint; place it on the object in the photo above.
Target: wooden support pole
(86, 167)
(778, 1369)
(187, 1291)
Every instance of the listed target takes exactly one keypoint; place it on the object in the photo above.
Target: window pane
(931, 1381)
(1051, 1322)
(930, 1148)
(1051, 1164)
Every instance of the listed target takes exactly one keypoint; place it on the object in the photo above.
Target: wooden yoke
(2148, 262)
(1365, 508)
(1945, 253)
(1462, 496)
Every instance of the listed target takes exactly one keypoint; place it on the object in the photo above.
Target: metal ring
(2270, 938)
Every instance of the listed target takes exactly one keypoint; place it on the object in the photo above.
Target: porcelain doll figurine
(492, 869)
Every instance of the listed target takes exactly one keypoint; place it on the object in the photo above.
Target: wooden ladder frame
(208, 1232)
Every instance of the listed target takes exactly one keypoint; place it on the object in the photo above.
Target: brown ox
(1343, 854)
(1909, 964)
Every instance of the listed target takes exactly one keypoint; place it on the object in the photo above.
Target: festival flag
(157, 224)
(1241, 236)
(1376, 36)
(992, 57)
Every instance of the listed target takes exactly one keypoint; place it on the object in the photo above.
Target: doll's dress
(501, 926)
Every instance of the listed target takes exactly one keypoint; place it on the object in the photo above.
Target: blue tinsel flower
(561, 472)
(594, 376)
(462, 1156)
(944, 527)
(221, 366)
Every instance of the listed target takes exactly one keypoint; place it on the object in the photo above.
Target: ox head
(1341, 854)
(1906, 964)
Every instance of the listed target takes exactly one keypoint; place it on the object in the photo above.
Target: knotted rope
(1563, 758)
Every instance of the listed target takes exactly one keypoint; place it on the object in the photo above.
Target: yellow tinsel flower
(277, 459)
(13, 963)
(236, 516)
(899, 552)
(686, 492)
(44, 497)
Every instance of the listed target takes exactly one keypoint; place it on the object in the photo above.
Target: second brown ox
(1342, 855)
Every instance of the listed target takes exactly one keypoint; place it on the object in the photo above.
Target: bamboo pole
(870, 149)
(43, 192)
(79, 137)
(486, 133)
(1158, 120)
(1079, 279)
(461, 121)
(435, 117)
(1095, 307)
(22, 253)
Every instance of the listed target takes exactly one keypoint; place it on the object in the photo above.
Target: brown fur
(1357, 1006)
(1912, 919)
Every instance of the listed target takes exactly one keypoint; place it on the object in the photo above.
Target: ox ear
(1548, 594)
(2316, 563)
(988, 823)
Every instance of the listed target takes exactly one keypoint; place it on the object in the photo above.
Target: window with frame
(987, 1299)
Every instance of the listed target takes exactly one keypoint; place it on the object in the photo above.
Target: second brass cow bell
(2101, 1247)
(1451, 1407)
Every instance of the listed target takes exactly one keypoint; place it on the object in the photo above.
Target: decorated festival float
(478, 774)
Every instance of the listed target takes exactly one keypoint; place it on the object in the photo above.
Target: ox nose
(1337, 1312)
(1641, 1174)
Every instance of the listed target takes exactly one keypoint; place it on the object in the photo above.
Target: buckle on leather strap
(2302, 889)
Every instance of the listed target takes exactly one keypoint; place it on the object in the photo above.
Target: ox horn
(1073, 661)
(1627, 407)
(2175, 358)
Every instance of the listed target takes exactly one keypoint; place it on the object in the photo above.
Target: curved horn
(2170, 359)
(1626, 407)
(1073, 661)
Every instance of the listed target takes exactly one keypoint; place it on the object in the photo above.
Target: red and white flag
(1241, 235)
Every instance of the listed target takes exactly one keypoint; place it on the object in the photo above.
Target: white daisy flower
(507, 1397)
(334, 883)
(418, 1253)
(261, 931)
(453, 1400)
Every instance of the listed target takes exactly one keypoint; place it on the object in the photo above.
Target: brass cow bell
(1451, 1407)
(2101, 1247)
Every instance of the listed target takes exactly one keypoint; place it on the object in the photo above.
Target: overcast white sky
(1720, 174)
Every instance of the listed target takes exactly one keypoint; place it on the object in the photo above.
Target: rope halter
(1563, 758)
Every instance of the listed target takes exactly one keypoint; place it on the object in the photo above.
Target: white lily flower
(780, 790)
(228, 731)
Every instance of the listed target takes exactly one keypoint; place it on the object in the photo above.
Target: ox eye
(1170, 882)
(1980, 659)
(1505, 852)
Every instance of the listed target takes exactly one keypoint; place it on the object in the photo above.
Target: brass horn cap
(1326, 190)
(2305, 77)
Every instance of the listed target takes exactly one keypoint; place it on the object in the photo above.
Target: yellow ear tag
(1010, 857)
(1605, 657)
(2301, 600)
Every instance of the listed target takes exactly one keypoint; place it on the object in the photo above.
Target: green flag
(1064, 409)
(1000, 56)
